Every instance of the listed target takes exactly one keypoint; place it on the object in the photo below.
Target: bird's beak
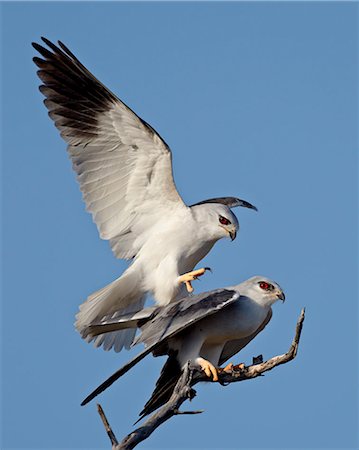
(232, 234)
(281, 296)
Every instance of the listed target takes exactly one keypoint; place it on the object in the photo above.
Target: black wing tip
(37, 46)
(47, 41)
(231, 202)
(245, 204)
(87, 400)
(139, 419)
(65, 49)
(91, 396)
(59, 48)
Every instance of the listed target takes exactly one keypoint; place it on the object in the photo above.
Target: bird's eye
(266, 286)
(223, 220)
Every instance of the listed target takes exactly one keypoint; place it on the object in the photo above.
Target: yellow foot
(239, 367)
(228, 368)
(188, 277)
(208, 368)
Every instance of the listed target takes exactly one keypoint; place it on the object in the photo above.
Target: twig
(183, 391)
(178, 413)
(107, 426)
(256, 370)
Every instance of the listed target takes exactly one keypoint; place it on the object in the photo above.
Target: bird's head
(217, 220)
(262, 290)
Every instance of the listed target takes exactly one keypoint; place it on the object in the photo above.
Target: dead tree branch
(184, 391)
(107, 426)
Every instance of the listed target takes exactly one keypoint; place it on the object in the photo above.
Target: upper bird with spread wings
(125, 173)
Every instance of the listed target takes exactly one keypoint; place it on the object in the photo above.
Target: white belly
(167, 255)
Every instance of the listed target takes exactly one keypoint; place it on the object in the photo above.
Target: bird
(206, 329)
(124, 169)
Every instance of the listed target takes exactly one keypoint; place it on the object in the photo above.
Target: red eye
(223, 220)
(265, 286)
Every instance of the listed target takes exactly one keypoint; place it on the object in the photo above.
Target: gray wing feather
(233, 347)
(125, 321)
(169, 321)
(179, 315)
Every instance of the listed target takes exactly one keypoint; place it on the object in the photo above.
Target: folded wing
(180, 315)
(164, 323)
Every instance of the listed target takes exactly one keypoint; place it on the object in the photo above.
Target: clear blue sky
(257, 100)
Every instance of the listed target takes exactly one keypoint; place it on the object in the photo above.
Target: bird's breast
(182, 241)
(189, 257)
(233, 322)
(170, 251)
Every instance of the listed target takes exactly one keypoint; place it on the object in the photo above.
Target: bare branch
(183, 391)
(199, 411)
(256, 370)
(107, 426)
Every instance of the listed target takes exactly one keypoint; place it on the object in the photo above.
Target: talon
(228, 368)
(189, 286)
(239, 367)
(208, 368)
(191, 276)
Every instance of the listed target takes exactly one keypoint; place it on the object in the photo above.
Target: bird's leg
(188, 277)
(208, 368)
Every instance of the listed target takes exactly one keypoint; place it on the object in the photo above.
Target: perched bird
(124, 170)
(206, 329)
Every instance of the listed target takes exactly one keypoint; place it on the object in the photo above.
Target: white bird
(125, 174)
(206, 329)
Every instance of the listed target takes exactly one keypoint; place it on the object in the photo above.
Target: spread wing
(233, 347)
(123, 166)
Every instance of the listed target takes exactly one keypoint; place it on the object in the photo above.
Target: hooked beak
(232, 234)
(281, 296)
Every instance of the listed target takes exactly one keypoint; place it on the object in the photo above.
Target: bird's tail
(115, 376)
(165, 385)
(122, 296)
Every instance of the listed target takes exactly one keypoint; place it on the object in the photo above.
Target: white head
(262, 290)
(217, 221)
(216, 218)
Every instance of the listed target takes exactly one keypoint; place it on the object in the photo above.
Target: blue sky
(256, 100)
